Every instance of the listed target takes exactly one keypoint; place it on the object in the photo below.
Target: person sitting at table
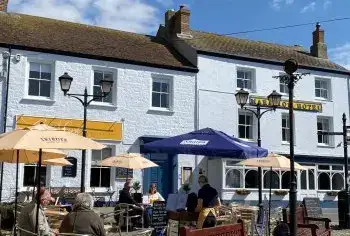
(207, 201)
(137, 209)
(154, 195)
(82, 219)
(27, 217)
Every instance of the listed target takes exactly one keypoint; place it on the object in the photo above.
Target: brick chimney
(178, 23)
(3, 5)
(318, 48)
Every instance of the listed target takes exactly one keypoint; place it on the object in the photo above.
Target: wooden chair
(20, 230)
(116, 214)
(233, 230)
(127, 208)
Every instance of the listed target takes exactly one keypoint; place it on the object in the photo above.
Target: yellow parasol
(57, 162)
(128, 160)
(28, 156)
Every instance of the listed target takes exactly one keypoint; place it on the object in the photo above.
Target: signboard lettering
(70, 171)
(99, 130)
(194, 142)
(298, 105)
(123, 173)
(159, 214)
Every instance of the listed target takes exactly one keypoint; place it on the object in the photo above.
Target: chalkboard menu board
(159, 214)
(70, 171)
(122, 173)
(312, 207)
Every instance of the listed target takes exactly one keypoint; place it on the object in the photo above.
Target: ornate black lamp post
(106, 87)
(291, 78)
(274, 101)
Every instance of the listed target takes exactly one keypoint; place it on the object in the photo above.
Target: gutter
(271, 62)
(101, 58)
(5, 116)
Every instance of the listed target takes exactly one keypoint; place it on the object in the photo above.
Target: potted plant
(280, 192)
(242, 192)
(137, 196)
(332, 193)
(186, 187)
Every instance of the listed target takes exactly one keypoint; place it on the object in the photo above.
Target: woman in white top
(154, 195)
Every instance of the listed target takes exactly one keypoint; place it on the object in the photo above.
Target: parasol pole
(38, 192)
(268, 226)
(16, 196)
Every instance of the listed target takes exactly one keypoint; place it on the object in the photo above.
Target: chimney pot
(178, 23)
(318, 48)
(3, 5)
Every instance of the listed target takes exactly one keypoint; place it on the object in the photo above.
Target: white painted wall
(218, 108)
(131, 103)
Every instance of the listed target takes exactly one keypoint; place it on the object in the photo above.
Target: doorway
(162, 176)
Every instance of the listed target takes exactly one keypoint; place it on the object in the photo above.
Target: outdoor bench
(305, 227)
(229, 230)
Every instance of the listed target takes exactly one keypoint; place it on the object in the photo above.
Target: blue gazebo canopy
(206, 142)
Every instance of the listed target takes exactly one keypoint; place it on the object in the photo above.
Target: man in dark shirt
(207, 201)
(125, 197)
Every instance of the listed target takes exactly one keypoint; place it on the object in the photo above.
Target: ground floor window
(330, 177)
(100, 176)
(29, 176)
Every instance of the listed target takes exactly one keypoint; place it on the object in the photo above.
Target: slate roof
(226, 45)
(73, 39)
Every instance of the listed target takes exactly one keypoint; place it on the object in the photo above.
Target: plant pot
(280, 193)
(242, 192)
(332, 194)
(138, 197)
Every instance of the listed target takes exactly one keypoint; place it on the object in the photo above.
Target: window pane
(95, 156)
(249, 132)
(95, 177)
(303, 180)
(45, 88)
(108, 98)
(284, 122)
(29, 178)
(248, 84)
(34, 66)
(319, 126)
(249, 120)
(323, 167)
(318, 93)
(240, 74)
(337, 182)
(337, 168)
(33, 87)
(156, 87)
(241, 119)
(311, 180)
(251, 179)
(34, 74)
(164, 100)
(317, 84)
(165, 87)
(105, 177)
(324, 182)
(108, 76)
(275, 181)
(234, 179)
(106, 152)
(155, 99)
(241, 132)
(240, 83)
(97, 92)
(45, 68)
(97, 77)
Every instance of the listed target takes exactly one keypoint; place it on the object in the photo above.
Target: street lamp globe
(242, 97)
(290, 66)
(65, 82)
(106, 86)
(274, 99)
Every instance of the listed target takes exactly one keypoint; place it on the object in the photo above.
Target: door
(308, 182)
(161, 176)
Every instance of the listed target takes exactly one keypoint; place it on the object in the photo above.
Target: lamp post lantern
(274, 101)
(106, 87)
(291, 78)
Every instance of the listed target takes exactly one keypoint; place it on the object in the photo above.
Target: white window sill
(249, 140)
(160, 110)
(323, 145)
(102, 105)
(323, 99)
(99, 189)
(287, 143)
(38, 99)
(250, 91)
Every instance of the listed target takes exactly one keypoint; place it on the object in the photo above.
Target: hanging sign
(98, 130)
(298, 105)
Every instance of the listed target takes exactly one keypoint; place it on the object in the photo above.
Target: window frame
(253, 129)
(162, 79)
(114, 89)
(253, 78)
(47, 183)
(328, 89)
(111, 171)
(52, 81)
(329, 137)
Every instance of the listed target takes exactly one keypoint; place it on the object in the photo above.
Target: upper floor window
(283, 87)
(98, 76)
(245, 125)
(322, 88)
(245, 79)
(285, 128)
(161, 93)
(29, 176)
(324, 124)
(40, 77)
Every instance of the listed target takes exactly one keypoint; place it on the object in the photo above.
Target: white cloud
(277, 4)
(326, 4)
(129, 15)
(341, 55)
(309, 7)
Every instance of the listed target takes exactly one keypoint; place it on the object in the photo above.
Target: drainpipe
(5, 116)
(196, 127)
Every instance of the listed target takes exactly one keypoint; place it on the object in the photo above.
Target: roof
(73, 39)
(224, 45)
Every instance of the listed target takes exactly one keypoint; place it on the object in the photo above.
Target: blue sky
(219, 16)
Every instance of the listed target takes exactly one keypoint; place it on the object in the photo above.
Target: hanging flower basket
(280, 192)
(242, 191)
(332, 193)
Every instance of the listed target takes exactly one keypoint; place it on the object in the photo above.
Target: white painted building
(153, 96)
(228, 64)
